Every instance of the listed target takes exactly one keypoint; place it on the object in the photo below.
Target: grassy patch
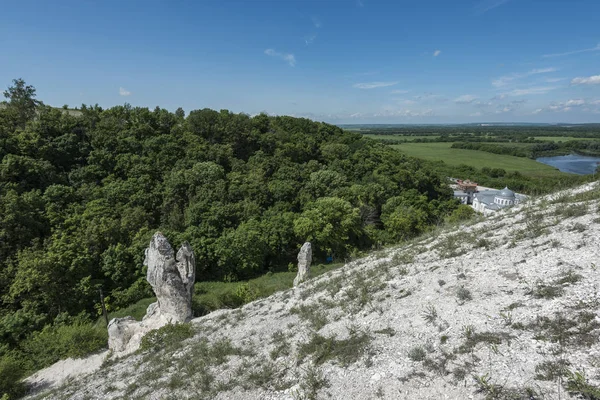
(546, 291)
(451, 246)
(430, 314)
(210, 296)
(472, 339)
(493, 391)
(281, 346)
(312, 382)
(578, 330)
(464, 294)
(551, 370)
(417, 353)
(578, 385)
(571, 211)
(166, 337)
(344, 351)
(311, 313)
(476, 158)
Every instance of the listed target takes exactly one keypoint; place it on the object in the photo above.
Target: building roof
(506, 193)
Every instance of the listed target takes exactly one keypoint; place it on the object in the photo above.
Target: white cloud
(465, 99)
(575, 102)
(475, 114)
(505, 80)
(568, 53)
(316, 22)
(289, 58)
(123, 92)
(590, 80)
(532, 90)
(565, 106)
(373, 85)
(398, 91)
(437, 53)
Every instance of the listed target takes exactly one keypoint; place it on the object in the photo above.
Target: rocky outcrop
(304, 260)
(172, 279)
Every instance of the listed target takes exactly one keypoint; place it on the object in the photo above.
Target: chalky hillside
(503, 307)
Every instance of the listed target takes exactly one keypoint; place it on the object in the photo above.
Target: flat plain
(442, 151)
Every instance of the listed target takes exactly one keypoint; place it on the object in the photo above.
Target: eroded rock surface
(172, 279)
(304, 260)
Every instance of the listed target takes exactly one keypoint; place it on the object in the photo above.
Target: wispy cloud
(310, 38)
(373, 85)
(505, 80)
(124, 92)
(437, 53)
(430, 96)
(359, 3)
(359, 74)
(564, 106)
(398, 91)
(405, 113)
(289, 58)
(487, 5)
(531, 90)
(568, 53)
(554, 80)
(590, 80)
(575, 102)
(465, 99)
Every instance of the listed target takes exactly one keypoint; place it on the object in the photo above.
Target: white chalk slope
(504, 307)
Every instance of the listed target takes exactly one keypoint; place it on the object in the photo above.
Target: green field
(399, 137)
(476, 158)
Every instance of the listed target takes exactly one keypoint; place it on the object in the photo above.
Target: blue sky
(340, 61)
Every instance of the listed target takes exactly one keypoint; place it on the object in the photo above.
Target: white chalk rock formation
(304, 260)
(172, 279)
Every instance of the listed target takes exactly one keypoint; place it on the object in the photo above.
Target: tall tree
(21, 100)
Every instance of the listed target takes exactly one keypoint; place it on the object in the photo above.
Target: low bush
(166, 336)
(54, 343)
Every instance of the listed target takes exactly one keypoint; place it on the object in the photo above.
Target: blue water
(573, 163)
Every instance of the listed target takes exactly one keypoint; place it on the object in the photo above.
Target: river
(573, 163)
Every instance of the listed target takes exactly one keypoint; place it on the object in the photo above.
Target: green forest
(82, 193)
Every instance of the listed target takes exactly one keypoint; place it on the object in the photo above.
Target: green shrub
(462, 213)
(168, 335)
(11, 373)
(417, 353)
(54, 343)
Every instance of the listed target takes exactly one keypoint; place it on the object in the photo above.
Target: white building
(490, 201)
